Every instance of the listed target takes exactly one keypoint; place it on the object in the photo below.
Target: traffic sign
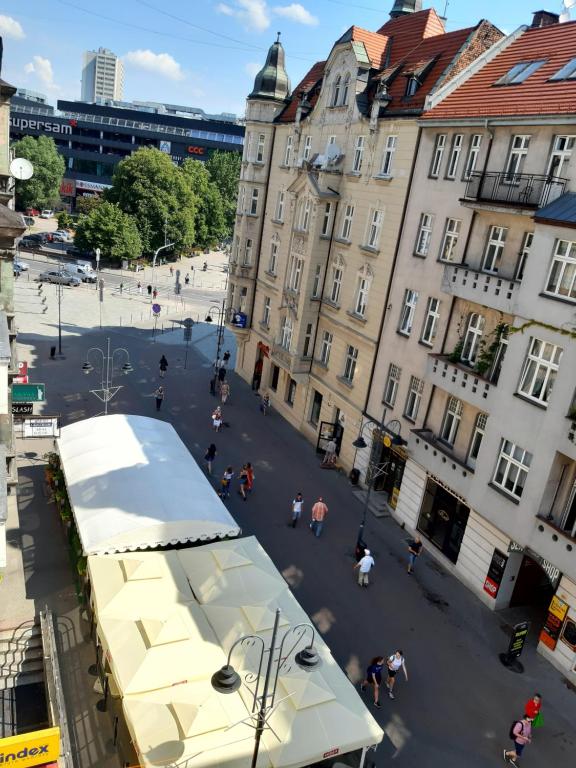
(22, 377)
(22, 409)
(28, 393)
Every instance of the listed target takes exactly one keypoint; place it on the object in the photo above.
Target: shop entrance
(533, 585)
(329, 431)
(386, 467)
(443, 519)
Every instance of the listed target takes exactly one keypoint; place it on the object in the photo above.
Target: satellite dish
(22, 169)
(332, 152)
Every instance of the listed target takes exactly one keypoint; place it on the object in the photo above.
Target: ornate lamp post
(221, 312)
(107, 391)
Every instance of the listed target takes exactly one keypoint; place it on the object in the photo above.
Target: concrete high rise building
(102, 76)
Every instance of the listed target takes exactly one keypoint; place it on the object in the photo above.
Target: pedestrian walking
(209, 457)
(330, 453)
(121, 287)
(159, 395)
(226, 357)
(139, 288)
(217, 364)
(224, 391)
(187, 279)
(297, 509)
(243, 477)
(154, 294)
(414, 550)
(250, 477)
(521, 734)
(394, 662)
(532, 710)
(319, 512)
(265, 404)
(163, 366)
(221, 373)
(171, 271)
(374, 678)
(217, 419)
(213, 380)
(149, 290)
(364, 565)
(226, 482)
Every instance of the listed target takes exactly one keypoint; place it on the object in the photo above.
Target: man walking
(414, 550)
(521, 734)
(163, 366)
(365, 565)
(297, 508)
(319, 512)
(159, 395)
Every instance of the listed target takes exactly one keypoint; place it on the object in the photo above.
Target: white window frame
(247, 259)
(375, 221)
(307, 340)
(513, 464)
(437, 155)
(476, 439)
(454, 157)
(361, 297)
(424, 234)
(517, 153)
(451, 421)
(561, 151)
(266, 311)
(472, 338)
(388, 156)
(414, 398)
(307, 148)
(326, 347)
(494, 248)
(273, 262)
(392, 384)
(473, 154)
(408, 311)
(430, 324)
(359, 147)
(254, 201)
(539, 370)
(288, 151)
(347, 218)
(295, 273)
(286, 330)
(527, 241)
(279, 213)
(337, 275)
(336, 88)
(345, 90)
(350, 363)
(326, 218)
(260, 147)
(450, 239)
(561, 280)
(316, 281)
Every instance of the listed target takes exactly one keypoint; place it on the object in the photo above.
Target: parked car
(64, 234)
(58, 276)
(22, 265)
(47, 213)
(32, 212)
(59, 237)
(32, 241)
(82, 271)
(73, 250)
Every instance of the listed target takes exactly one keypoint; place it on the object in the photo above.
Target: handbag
(538, 721)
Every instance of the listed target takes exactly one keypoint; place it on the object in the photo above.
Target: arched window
(336, 91)
(345, 89)
(472, 338)
(363, 282)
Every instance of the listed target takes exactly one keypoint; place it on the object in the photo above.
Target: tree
(210, 221)
(153, 190)
(65, 221)
(43, 189)
(86, 204)
(110, 229)
(224, 170)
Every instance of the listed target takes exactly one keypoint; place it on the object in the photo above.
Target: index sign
(28, 393)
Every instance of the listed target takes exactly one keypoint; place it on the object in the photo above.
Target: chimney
(544, 19)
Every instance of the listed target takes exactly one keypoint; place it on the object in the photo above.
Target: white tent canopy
(133, 485)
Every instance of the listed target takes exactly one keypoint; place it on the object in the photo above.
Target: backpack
(513, 735)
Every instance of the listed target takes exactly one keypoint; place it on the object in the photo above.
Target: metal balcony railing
(524, 190)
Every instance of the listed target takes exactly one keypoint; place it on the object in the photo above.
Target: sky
(202, 53)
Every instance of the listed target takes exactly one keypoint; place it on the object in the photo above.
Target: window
(560, 155)
(392, 382)
(307, 150)
(307, 341)
(316, 281)
(260, 148)
(295, 273)
(345, 90)
(272, 264)
(347, 222)
(520, 72)
(243, 298)
(472, 338)
(247, 252)
(374, 229)
(291, 392)
(279, 214)
(327, 214)
(254, 202)
(512, 468)
(562, 277)
(539, 371)
(476, 441)
(430, 322)
(567, 72)
(326, 347)
(288, 151)
(235, 254)
(247, 156)
(388, 156)
(316, 408)
(358, 154)
(286, 333)
(266, 312)
(411, 86)
(337, 273)
(523, 255)
(473, 152)
(451, 420)
(414, 398)
(336, 91)
(495, 369)
(305, 219)
(516, 157)
(439, 147)
(241, 200)
(494, 249)
(424, 235)
(350, 363)
(450, 239)
(454, 158)
(408, 310)
(274, 375)
(362, 289)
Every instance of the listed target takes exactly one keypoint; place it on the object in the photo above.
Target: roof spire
(272, 82)
(404, 7)
(278, 38)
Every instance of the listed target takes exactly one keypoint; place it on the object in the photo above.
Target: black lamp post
(108, 369)
(221, 311)
(227, 680)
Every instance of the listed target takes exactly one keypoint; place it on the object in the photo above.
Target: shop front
(386, 466)
(443, 518)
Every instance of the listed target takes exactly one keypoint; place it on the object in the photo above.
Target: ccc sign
(196, 150)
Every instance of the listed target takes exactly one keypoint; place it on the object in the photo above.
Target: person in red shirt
(533, 706)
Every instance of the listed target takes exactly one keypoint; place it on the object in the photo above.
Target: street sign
(22, 377)
(156, 309)
(41, 427)
(22, 409)
(28, 393)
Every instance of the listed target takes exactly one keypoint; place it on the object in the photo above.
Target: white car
(61, 277)
(46, 214)
(22, 266)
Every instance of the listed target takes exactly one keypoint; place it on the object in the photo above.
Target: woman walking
(225, 482)
(374, 678)
(159, 395)
(265, 404)
(243, 477)
(224, 392)
(249, 477)
(394, 662)
(209, 457)
(163, 366)
(217, 419)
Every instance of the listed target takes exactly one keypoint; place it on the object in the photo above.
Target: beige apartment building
(477, 358)
(322, 198)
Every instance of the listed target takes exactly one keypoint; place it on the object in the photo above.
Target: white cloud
(252, 68)
(160, 63)
(296, 12)
(254, 14)
(9, 27)
(42, 68)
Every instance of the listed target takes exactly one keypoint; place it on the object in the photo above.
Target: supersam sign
(35, 748)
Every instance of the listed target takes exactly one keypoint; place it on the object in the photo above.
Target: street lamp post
(227, 680)
(107, 391)
(221, 311)
(156, 252)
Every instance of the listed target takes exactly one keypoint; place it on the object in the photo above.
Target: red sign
(491, 587)
(331, 752)
(22, 377)
(196, 150)
(68, 187)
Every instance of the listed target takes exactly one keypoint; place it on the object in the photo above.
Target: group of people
(246, 476)
(393, 664)
(521, 730)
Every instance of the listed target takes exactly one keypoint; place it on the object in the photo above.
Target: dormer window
(520, 72)
(336, 91)
(412, 86)
(345, 90)
(568, 71)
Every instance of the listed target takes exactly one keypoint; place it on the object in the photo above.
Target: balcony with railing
(470, 284)
(438, 459)
(459, 380)
(517, 190)
(290, 361)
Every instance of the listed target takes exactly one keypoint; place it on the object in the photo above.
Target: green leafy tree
(110, 229)
(224, 170)
(210, 221)
(65, 221)
(43, 189)
(87, 204)
(153, 190)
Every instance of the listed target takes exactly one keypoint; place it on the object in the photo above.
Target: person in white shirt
(365, 565)
(394, 662)
(297, 507)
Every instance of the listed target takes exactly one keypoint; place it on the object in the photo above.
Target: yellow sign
(558, 608)
(34, 748)
(386, 440)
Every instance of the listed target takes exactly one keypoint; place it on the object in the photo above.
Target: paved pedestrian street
(459, 702)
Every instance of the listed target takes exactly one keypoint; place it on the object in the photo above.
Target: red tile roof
(306, 84)
(374, 43)
(479, 97)
(407, 31)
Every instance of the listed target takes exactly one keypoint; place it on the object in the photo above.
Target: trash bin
(354, 476)
(52, 352)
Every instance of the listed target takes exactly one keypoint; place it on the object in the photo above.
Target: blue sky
(201, 52)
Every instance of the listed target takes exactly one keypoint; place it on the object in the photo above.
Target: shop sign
(24, 123)
(495, 573)
(519, 635)
(549, 569)
(91, 186)
(393, 500)
(22, 377)
(446, 487)
(34, 748)
(550, 633)
(195, 150)
(68, 187)
(41, 427)
(22, 409)
(165, 146)
(331, 753)
(514, 547)
(239, 319)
